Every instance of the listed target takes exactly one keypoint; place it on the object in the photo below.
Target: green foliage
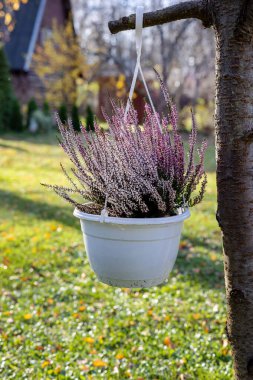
(6, 93)
(89, 119)
(57, 316)
(75, 118)
(31, 107)
(63, 113)
(16, 119)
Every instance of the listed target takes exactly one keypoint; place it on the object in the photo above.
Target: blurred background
(60, 56)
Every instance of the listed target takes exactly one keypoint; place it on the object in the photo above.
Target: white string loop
(138, 37)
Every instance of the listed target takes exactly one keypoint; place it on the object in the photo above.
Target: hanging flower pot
(133, 184)
(132, 252)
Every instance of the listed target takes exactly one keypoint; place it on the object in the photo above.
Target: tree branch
(189, 9)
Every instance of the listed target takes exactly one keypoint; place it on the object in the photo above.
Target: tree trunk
(234, 149)
(233, 24)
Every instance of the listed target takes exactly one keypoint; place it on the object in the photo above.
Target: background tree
(63, 113)
(60, 65)
(6, 93)
(89, 119)
(31, 107)
(16, 119)
(75, 118)
(183, 52)
(232, 21)
(7, 17)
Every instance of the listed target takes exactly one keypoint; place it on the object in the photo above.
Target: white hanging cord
(138, 36)
(104, 212)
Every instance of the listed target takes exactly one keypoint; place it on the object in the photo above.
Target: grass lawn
(58, 322)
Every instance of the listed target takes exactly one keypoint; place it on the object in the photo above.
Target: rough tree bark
(232, 21)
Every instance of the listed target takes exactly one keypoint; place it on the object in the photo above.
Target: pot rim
(184, 214)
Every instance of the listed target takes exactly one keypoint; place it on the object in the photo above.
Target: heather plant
(133, 170)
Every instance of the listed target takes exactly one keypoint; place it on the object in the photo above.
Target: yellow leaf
(45, 363)
(7, 313)
(50, 301)
(16, 6)
(57, 370)
(150, 312)
(99, 363)
(28, 316)
(4, 335)
(183, 244)
(120, 356)
(167, 318)
(196, 316)
(213, 257)
(8, 19)
(224, 351)
(167, 342)
(88, 339)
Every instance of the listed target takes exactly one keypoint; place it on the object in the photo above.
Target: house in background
(33, 26)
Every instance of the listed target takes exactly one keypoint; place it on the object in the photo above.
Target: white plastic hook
(138, 37)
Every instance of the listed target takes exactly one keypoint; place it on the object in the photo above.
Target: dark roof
(20, 47)
(19, 43)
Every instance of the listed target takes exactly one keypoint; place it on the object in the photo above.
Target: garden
(126, 190)
(58, 321)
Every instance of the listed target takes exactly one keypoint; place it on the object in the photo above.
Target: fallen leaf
(89, 339)
(39, 348)
(183, 245)
(7, 313)
(99, 363)
(6, 261)
(28, 316)
(120, 356)
(57, 370)
(213, 257)
(167, 342)
(45, 363)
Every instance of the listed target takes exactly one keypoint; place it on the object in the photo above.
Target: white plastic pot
(132, 252)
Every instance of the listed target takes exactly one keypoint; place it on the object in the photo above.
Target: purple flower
(140, 171)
